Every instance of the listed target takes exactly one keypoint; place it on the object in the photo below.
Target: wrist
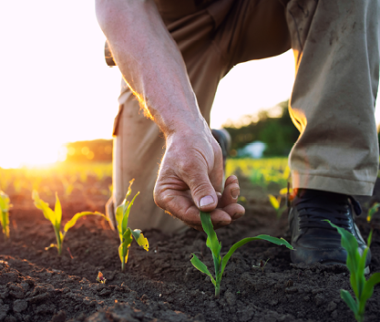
(188, 128)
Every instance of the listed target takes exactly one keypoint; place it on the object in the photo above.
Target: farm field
(161, 285)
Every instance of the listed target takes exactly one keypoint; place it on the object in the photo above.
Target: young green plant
(215, 247)
(363, 289)
(4, 216)
(55, 217)
(126, 233)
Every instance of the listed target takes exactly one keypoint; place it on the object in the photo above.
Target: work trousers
(336, 49)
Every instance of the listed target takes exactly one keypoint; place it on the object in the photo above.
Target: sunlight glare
(31, 155)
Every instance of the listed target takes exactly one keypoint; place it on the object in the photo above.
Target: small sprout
(100, 278)
(363, 289)
(276, 204)
(215, 247)
(126, 233)
(68, 185)
(4, 216)
(55, 217)
(261, 265)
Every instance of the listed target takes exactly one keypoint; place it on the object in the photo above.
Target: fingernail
(205, 201)
(235, 193)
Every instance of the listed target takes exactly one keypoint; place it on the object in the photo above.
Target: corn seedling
(276, 204)
(4, 218)
(55, 217)
(126, 233)
(215, 247)
(363, 289)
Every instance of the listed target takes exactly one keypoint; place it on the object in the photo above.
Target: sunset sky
(56, 87)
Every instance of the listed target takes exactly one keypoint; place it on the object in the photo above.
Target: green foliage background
(278, 133)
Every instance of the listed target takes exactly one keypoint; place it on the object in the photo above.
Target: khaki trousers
(336, 47)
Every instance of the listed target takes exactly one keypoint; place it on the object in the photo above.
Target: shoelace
(313, 208)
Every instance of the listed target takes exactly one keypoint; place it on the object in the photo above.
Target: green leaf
(125, 244)
(74, 220)
(4, 220)
(372, 211)
(123, 254)
(4, 215)
(202, 267)
(140, 239)
(57, 212)
(274, 202)
(346, 297)
(119, 218)
(274, 240)
(4, 202)
(369, 285)
(350, 244)
(212, 241)
(124, 224)
(360, 276)
(129, 189)
(40, 204)
(369, 240)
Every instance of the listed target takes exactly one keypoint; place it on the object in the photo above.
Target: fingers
(220, 217)
(179, 202)
(203, 192)
(235, 211)
(180, 205)
(190, 180)
(205, 177)
(231, 192)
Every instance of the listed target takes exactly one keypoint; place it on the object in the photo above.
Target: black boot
(315, 240)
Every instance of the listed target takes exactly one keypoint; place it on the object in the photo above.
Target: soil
(162, 285)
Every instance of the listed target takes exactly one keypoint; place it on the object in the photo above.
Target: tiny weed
(261, 265)
(215, 247)
(55, 217)
(125, 233)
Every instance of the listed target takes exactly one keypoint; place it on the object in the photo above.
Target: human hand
(190, 179)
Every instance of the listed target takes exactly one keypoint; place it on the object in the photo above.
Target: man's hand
(191, 173)
(190, 180)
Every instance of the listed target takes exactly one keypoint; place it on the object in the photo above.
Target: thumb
(202, 191)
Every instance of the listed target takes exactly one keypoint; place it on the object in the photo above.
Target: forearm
(150, 62)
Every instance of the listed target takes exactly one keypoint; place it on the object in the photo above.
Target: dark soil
(162, 285)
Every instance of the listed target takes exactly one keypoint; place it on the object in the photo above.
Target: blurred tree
(86, 151)
(278, 133)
